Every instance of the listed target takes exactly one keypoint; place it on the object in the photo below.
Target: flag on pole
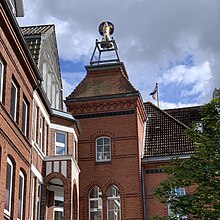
(154, 93)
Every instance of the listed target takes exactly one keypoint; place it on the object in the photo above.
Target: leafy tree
(201, 172)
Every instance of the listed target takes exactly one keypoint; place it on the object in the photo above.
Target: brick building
(38, 140)
(99, 160)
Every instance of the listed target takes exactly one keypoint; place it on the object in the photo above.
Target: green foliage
(202, 171)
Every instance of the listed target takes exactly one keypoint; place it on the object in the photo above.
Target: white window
(199, 126)
(41, 132)
(8, 191)
(95, 204)
(21, 196)
(58, 206)
(38, 200)
(174, 194)
(113, 204)
(33, 198)
(24, 117)
(103, 149)
(14, 97)
(49, 85)
(1, 78)
(60, 143)
(36, 124)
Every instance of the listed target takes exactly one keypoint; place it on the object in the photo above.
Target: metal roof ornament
(106, 29)
(107, 44)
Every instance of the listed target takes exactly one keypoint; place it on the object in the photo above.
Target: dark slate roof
(32, 35)
(103, 83)
(166, 135)
(35, 30)
(186, 115)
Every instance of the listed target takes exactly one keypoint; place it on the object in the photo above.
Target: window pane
(95, 216)
(106, 141)
(58, 215)
(99, 141)
(60, 137)
(20, 197)
(8, 187)
(24, 118)
(13, 101)
(103, 149)
(60, 150)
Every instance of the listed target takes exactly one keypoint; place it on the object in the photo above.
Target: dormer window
(103, 149)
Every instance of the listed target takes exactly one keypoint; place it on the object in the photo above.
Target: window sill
(103, 162)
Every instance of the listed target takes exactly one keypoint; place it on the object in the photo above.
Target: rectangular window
(1, 79)
(38, 200)
(36, 124)
(103, 149)
(58, 206)
(60, 143)
(41, 132)
(24, 117)
(8, 191)
(33, 198)
(175, 193)
(14, 97)
(21, 196)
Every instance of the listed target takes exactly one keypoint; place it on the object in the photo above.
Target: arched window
(21, 196)
(95, 204)
(8, 190)
(103, 149)
(113, 203)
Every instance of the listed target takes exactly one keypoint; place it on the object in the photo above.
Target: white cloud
(198, 77)
(170, 105)
(144, 31)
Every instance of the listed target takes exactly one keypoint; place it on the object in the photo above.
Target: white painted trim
(43, 111)
(37, 173)
(64, 128)
(165, 158)
(1, 80)
(39, 151)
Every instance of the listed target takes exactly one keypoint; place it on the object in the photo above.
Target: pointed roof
(103, 80)
(33, 37)
(165, 134)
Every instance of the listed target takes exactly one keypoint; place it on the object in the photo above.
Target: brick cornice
(102, 106)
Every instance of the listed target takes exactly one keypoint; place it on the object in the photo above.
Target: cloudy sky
(173, 42)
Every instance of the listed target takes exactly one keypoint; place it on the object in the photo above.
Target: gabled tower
(112, 117)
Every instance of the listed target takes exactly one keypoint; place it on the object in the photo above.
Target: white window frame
(60, 144)
(58, 198)
(176, 192)
(33, 198)
(103, 145)
(1, 79)
(115, 199)
(38, 200)
(41, 132)
(25, 117)
(36, 124)
(22, 196)
(8, 212)
(96, 199)
(12, 6)
(16, 99)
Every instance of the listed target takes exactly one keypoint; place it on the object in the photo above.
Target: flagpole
(157, 95)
